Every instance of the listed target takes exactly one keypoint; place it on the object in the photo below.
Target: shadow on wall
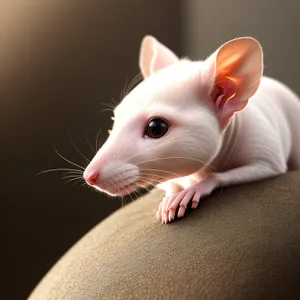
(58, 61)
(274, 23)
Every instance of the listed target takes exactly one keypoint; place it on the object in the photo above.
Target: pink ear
(238, 68)
(154, 56)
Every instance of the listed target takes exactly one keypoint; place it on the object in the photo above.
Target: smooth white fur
(260, 141)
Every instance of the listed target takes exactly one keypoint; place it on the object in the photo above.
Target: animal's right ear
(154, 56)
(237, 70)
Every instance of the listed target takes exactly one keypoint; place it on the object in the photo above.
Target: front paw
(178, 202)
(170, 204)
(171, 188)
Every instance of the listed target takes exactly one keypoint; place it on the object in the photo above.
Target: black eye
(156, 128)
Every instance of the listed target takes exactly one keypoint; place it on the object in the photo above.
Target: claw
(165, 217)
(171, 215)
(181, 212)
(158, 214)
(196, 200)
(195, 204)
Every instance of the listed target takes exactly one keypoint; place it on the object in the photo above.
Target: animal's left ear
(238, 68)
(154, 56)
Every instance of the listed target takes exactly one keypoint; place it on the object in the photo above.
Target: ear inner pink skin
(232, 126)
(154, 56)
(222, 93)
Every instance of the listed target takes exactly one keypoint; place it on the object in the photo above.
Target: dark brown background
(58, 61)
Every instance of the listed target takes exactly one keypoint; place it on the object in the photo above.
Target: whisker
(113, 176)
(106, 109)
(123, 91)
(141, 152)
(71, 176)
(160, 145)
(136, 78)
(148, 183)
(143, 187)
(158, 176)
(58, 170)
(73, 179)
(88, 142)
(124, 150)
(73, 172)
(146, 180)
(109, 105)
(171, 157)
(77, 182)
(115, 103)
(133, 83)
(122, 198)
(140, 190)
(84, 183)
(144, 151)
(159, 170)
(97, 139)
(176, 157)
(135, 192)
(129, 194)
(67, 160)
(79, 152)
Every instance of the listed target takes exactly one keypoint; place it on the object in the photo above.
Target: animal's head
(172, 123)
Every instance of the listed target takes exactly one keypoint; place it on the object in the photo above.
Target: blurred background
(60, 60)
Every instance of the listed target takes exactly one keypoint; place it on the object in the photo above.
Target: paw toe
(181, 212)
(171, 215)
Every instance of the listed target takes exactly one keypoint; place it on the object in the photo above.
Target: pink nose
(92, 178)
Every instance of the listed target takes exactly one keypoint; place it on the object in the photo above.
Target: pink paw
(179, 201)
(167, 208)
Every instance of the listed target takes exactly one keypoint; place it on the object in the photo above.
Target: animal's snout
(91, 177)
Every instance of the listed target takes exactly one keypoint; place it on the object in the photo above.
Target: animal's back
(281, 106)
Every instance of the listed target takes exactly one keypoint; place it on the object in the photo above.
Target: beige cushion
(242, 243)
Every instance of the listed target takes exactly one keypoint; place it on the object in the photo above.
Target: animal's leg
(170, 188)
(194, 193)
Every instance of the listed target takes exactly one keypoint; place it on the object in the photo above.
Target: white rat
(191, 127)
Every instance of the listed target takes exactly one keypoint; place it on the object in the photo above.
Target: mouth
(118, 191)
(122, 190)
